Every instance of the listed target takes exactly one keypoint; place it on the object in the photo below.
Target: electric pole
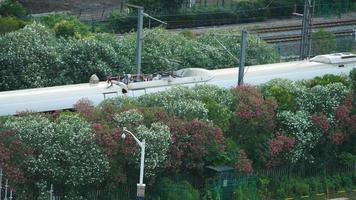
(242, 58)
(139, 39)
(305, 44)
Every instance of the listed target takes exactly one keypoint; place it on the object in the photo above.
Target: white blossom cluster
(188, 102)
(300, 127)
(158, 141)
(187, 109)
(130, 118)
(65, 150)
(321, 98)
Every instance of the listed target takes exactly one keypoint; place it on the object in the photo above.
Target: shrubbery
(34, 57)
(9, 24)
(11, 8)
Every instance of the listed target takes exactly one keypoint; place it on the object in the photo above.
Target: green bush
(168, 189)
(327, 79)
(282, 91)
(85, 57)
(323, 42)
(64, 25)
(29, 58)
(64, 29)
(9, 24)
(12, 8)
(240, 11)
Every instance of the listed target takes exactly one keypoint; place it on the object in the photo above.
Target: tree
(156, 6)
(323, 42)
(65, 152)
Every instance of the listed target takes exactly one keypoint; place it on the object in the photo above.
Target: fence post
(6, 186)
(50, 193)
(10, 194)
(0, 182)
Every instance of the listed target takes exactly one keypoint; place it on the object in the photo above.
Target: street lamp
(140, 185)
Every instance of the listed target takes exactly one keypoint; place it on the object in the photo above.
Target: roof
(221, 168)
(336, 58)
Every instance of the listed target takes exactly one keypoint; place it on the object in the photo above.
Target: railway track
(299, 27)
(291, 38)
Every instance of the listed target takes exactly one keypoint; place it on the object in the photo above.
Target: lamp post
(140, 185)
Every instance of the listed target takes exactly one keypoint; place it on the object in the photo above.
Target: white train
(64, 97)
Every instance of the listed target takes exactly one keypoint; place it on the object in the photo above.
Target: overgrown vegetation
(302, 132)
(37, 56)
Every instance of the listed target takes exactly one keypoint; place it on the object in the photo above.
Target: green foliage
(327, 79)
(168, 189)
(154, 6)
(282, 91)
(64, 29)
(323, 42)
(28, 58)
(201, 102)
(11, 8)
(65, 151)
(85, 57)
(65, 26)
(237, 12)
(9, 24)
(353, 85)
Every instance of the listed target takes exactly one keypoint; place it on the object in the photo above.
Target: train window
(110, 94)
(341, 65)
(124, 91)
(346, 57)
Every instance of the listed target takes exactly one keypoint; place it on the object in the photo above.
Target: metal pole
(51, 193)
(355, 35)
(6, 186)
(10, 195)
(242, 57)
(141, 186)
(139, 41)
(305, 43)
(0, 182)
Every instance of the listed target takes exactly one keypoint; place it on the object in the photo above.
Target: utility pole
(305, 44)
(139, 41)
(242, 58)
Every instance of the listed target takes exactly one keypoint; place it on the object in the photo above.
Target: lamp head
(123, 135)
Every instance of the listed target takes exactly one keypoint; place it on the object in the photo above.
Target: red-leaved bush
(13, 152)
(280, 144)
(254, 122)
(321, 121)
(194, 144)
(85, 108)
(244, 164)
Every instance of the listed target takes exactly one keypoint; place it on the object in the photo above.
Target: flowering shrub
(187, 109)
(201, 102)
(158, 141)
(12, 154)
(85, 57)
(322, 99)
(279, 147)
(28, 58)
(194, 145)
(244, 164)
(130, 118)
(254, 122)
(64, 150)
(299, 126)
